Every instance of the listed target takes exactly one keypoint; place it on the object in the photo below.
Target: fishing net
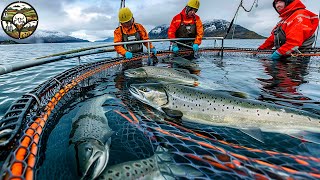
(213, 152)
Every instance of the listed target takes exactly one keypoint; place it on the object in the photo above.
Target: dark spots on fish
(208, 109)
(151, 160)
(118, 174)
(191, 108)
(257, 110)
(210, 104)
(239, 109)
(233, 107)
(151, 166)
(108, 179)
(278, 114)
(128, 174)
(147, 169)
(291, 115)
(268, 112)
(135, 171)
(110, 171)
(137, 165)
(214, 109)
(309, 119)
(202, 110)
(258, 114)
(222, 110)
(227, 107)
(127, 167)
(145, 162)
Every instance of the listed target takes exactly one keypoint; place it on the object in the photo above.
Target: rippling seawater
(293, 84)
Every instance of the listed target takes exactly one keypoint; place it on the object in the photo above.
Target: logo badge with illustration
(19, 20)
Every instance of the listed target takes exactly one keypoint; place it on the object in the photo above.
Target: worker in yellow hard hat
(187, 24)
(129, 30)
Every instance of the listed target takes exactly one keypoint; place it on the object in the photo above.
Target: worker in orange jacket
(187, 24)
(295, 31)
(129, 30)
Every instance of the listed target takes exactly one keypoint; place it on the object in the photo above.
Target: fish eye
(88, 149)
(144, 89)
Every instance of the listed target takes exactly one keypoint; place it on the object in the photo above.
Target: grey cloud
(151, 13)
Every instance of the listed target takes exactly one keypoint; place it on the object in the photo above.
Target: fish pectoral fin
(172, 113)
(255, 133)
(305, 136)
(107, 137)
(182, 70)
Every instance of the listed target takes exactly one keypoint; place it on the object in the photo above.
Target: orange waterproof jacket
(298, 25)
(131, 30)
(176, 21)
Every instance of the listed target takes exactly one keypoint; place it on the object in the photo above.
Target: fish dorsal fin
(172, 113)
(255, 133)
(182, 70)
(239, 94)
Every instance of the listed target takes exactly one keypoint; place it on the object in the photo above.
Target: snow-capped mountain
(108, 39)
(43, 36)
(214, 28)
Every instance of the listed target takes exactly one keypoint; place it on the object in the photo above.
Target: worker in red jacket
(294, 32)
(187, 24)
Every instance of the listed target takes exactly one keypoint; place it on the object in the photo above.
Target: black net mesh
(180, 149)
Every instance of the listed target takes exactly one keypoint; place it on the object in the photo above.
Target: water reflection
(286, 77)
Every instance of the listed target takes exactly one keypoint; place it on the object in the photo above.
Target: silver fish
(226, 108)
(163, 74)
(180, 62)
(90, 137)
(159, 166)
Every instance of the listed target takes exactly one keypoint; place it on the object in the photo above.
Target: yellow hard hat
(194, 4)
(125, 15)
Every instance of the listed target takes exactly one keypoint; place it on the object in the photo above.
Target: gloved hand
(175, 48)
(128, 55)
(275, 55)
(154, 51)
(195, 47)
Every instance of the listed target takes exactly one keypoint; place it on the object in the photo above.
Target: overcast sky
(97, 19)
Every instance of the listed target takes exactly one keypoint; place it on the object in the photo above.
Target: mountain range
(214, 28)
(41, 36)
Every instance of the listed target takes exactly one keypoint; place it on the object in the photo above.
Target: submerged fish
(90, 137)
(159, 166)
(226, 108)
(180, 62)
(163, 74)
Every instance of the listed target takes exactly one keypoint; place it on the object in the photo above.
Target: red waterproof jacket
(176, 21)
(298, 25)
